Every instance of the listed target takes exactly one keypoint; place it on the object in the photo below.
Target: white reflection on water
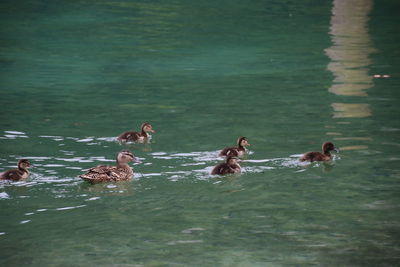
(92, 198)
(108, 139)
(13, 135)
(171, 243)
(53, 137)
(4, 195)
(197, 156)
(192, 230)
(193, 164)
(15, 132)
(85, 140)
(70, 208)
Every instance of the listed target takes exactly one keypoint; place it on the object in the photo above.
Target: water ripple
(171, 243)
(72, 207)
(13, 135)
(4, 195)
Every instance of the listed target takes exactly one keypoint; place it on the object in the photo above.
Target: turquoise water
(289, 75)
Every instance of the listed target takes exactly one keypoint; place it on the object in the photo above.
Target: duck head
(232, 160)
(125, 156)
(24, 164)
(146, 127)
(242, 142)
(328, 147)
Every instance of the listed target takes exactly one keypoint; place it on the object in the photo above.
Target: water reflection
(344, 110)
(349, 54)
(351, 47)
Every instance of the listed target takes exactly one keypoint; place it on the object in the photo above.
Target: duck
(141, 136)
(326, 155)
(17, 174)
(238, 151)
(120, 172)
(231, 165)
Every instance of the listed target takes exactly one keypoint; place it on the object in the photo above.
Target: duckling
(231, 165)
(120, 172)
(327, 147)
(17, 174)
(238, 151)
(136, 136)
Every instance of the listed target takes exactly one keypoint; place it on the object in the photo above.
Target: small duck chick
(17, 174)
(231, 165)
(327, 147)
(238, 151)
(136, 136)
(120, 172)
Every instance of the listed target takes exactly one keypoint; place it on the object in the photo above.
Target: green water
(289, 75)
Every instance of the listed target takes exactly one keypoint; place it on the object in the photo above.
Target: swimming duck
(238, 151)
(17, 174)
(231, 165)
(136, 136)
(327, 147)
(120, 172)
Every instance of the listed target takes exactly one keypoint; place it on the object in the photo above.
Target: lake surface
(288, 75)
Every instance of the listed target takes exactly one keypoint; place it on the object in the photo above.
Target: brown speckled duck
(231, 165)
(136, 136)
(17, 174)
(327, 147)
(120, 172)
(238, 151)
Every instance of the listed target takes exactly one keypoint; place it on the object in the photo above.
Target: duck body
(17, 174)
(104, 173)
(232, 151)
(120, 172)
(326, 155)
(237, 151)
(230, 166)
(316, 156)
(133, 136)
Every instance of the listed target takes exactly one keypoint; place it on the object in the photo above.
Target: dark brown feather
(316, 156)
(130, 136)
(226, 167)
(17, 174)
(107, 174)
(239, 150)
(14, 174)
(327, 147)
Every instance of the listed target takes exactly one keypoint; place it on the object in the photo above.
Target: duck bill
(151, 130)
(336, 149)
(136, 160)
